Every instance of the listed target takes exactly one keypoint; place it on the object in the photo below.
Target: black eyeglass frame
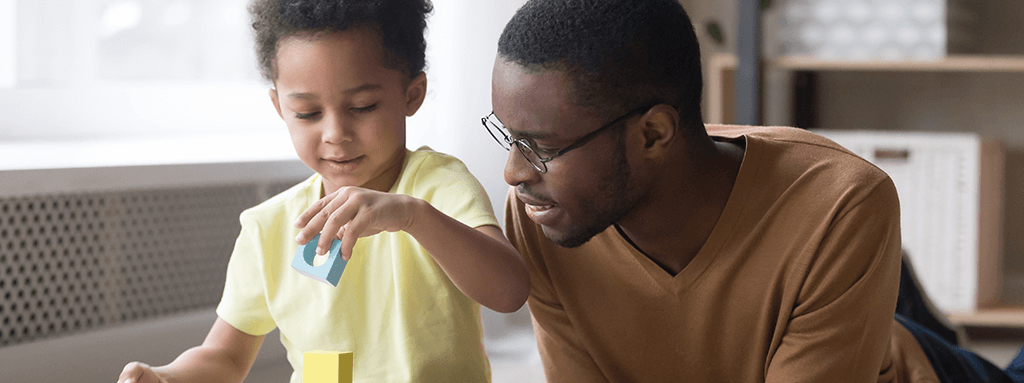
(506, 141)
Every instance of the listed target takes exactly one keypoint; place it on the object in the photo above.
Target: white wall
(462, 42)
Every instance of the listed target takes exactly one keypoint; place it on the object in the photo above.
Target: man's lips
(533, 201)
(542, 212)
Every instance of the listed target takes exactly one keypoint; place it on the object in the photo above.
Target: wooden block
(329, 272)
(326, 367)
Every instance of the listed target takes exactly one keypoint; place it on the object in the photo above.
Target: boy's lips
(344, 164)
(341, 159)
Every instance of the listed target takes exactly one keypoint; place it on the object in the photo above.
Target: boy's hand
(138, 372)
(352, 213)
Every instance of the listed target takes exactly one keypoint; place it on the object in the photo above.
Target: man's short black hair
(401, 24)
(618, 54)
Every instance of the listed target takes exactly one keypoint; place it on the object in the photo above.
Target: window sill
(31, 167)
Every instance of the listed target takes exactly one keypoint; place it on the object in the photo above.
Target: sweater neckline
(734, 209)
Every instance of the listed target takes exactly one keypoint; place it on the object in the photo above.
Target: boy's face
(344, 110)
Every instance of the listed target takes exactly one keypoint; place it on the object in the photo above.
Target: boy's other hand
(138, 372)
(352, 213)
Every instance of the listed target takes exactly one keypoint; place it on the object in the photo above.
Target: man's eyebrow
(530, 135)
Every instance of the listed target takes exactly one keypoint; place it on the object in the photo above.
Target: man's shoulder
(797, 149)
(772, 133)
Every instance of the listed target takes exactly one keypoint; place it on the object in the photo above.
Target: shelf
(1005, 317)
(961, 63)
(721, 77)
(973, 63)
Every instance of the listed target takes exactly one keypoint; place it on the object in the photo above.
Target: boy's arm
(225, 356)
(480, 262)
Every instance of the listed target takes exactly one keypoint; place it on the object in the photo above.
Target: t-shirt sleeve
(446, 183)
(564, 355)
(841, 326)
(244, 303)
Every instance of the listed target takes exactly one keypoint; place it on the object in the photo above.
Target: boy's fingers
(333, 228)
(311, 212)
(132, 372)
(312, 224)
(353, 231)
(314, 219)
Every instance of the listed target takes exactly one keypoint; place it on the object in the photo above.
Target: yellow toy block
(326, 367)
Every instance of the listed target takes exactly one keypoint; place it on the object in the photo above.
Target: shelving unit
(721, 78)
(963, 63)
(1007, 317)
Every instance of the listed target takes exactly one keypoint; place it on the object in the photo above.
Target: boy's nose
(518, 170)
(336, 130)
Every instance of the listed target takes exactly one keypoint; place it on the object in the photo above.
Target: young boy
(346, 74)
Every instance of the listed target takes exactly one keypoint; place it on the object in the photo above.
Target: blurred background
(133, 132)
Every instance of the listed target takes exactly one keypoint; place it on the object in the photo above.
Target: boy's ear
(415, 93)
(276, 101)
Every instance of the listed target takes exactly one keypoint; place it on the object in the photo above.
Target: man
(663, 250)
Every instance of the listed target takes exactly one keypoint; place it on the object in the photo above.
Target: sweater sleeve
(841, 324)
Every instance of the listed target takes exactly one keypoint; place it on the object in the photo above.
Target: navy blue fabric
(955, 365)
(1016, 369)
(910, 304)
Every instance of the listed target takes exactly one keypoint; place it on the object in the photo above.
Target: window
(74, 69)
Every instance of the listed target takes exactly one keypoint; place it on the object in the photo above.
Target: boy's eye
(365, 109)
(306, 116)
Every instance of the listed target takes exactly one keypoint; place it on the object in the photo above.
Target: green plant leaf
(715, 31)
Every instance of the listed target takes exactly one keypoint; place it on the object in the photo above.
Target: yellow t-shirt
(394, 307)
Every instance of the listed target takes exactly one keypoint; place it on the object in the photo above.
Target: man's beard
(610, 206)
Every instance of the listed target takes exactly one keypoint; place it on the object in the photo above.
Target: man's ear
(659, 129)
(415, 93)
(276, 101)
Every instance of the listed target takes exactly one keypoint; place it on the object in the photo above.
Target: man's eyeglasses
(526, 145)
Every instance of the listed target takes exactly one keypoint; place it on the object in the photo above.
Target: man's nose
(518, 170)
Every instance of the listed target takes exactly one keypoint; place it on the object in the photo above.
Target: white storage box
(869, 29)
(950, 187)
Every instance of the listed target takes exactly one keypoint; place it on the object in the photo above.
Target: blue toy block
(329, 272)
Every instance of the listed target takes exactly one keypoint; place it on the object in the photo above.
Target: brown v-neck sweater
(796, 283)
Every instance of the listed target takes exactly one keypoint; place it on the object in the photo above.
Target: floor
(512, 352)
(514, 357)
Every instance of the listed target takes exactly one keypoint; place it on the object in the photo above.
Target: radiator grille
(74, 262)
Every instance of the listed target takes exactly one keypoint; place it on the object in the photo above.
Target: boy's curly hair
(401, 24)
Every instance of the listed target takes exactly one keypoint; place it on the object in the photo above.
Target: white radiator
(102, 266)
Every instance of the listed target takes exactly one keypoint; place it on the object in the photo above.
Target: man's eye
(365, 109)
(539, 149)
(306, 116)
(545, 152)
